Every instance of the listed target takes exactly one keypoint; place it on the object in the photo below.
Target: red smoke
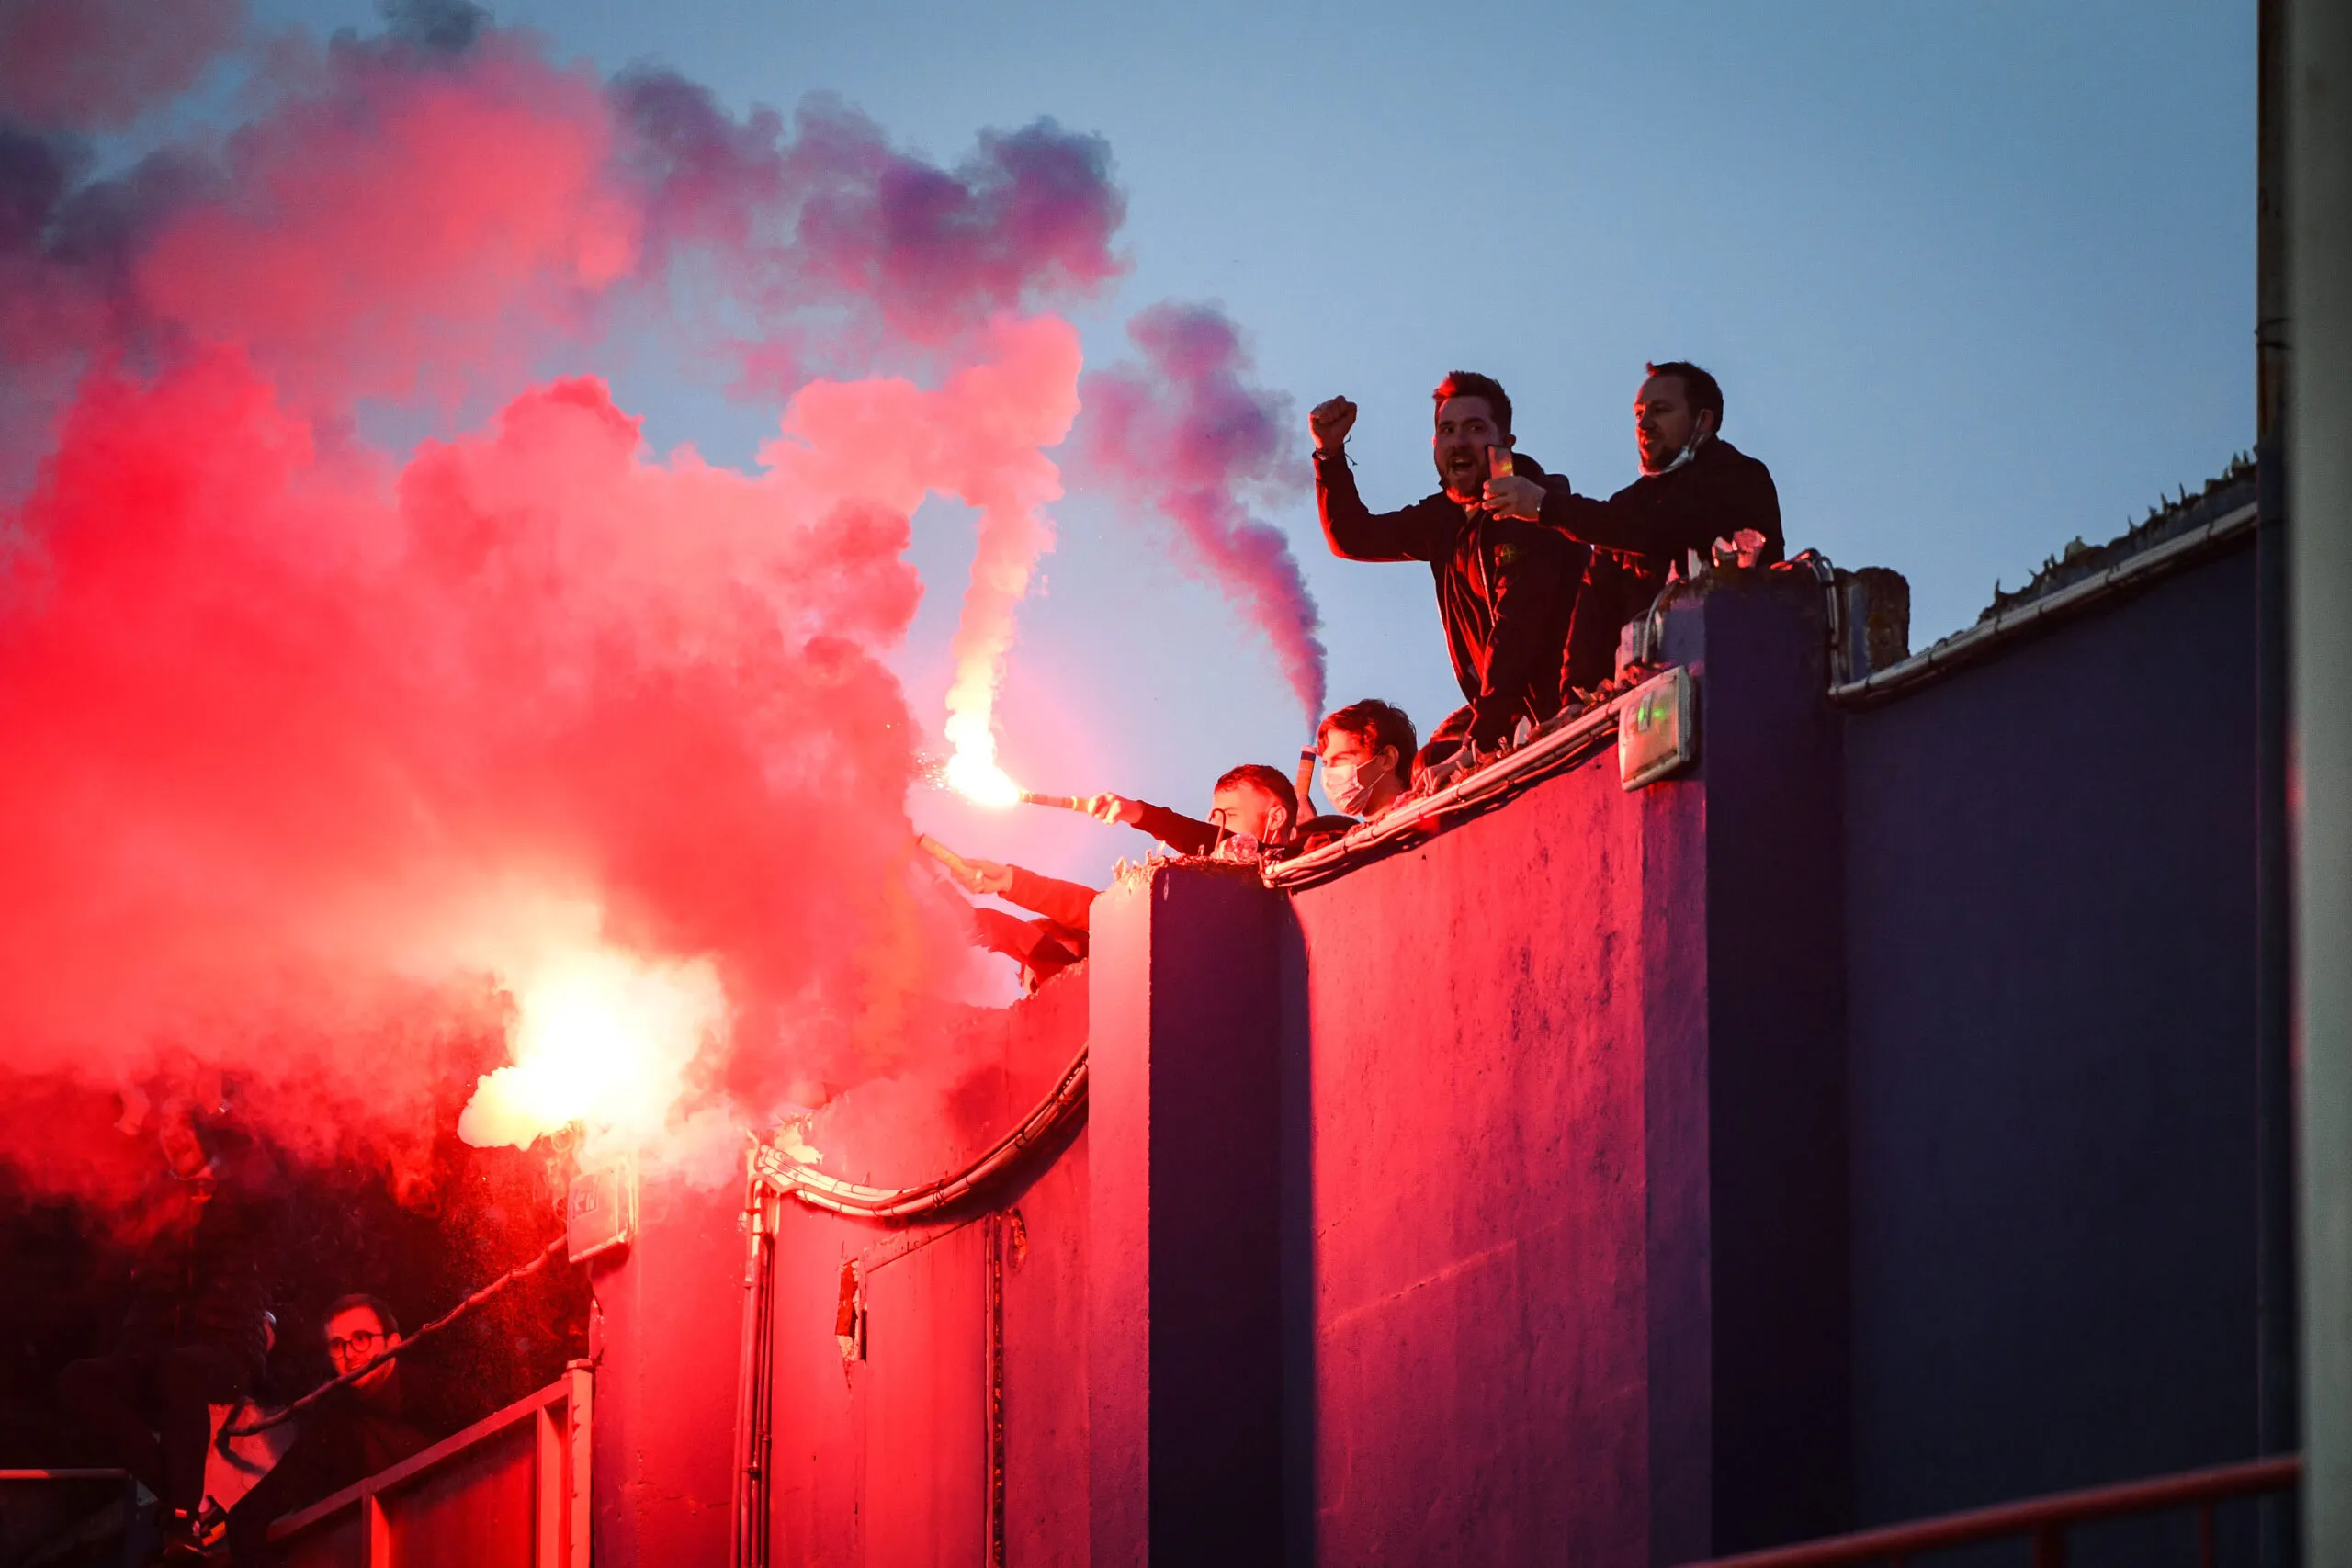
(97, 64)
(321, 757)
(389, 223)
(1187, 434)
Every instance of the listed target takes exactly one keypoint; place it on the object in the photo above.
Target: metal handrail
(1414, 818)
(2046, 1519)
(558, 1415)
(788, 1178)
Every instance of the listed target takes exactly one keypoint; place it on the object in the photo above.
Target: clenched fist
(1331, 419)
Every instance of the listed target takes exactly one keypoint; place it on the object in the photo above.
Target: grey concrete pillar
(2319, 267)
(670, 1316)
(1185, 1308)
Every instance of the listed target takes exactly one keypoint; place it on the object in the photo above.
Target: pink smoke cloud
(312, 755)
(425, 212)
(98, 64)
(393, 220)
(332, 767)
(829, 214)
(1186, 435)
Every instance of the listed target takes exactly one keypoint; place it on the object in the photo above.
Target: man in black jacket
(198, 1327)
(1695, 487)
(364, 1428)
(1506, 586)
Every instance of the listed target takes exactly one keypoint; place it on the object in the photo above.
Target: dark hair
(1470, 384)
(1705, 396)
(356, 1299)
(1380, 724)
(1271, 780)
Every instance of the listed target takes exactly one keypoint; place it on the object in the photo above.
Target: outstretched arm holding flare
(1064, 903)
(1186, 835)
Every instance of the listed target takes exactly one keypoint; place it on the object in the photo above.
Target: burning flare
(973, 771)
(601, 1038)
(1009, 485)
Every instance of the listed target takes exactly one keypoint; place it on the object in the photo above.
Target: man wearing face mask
(1367, 752)
(1695, 487)
(1506, 586)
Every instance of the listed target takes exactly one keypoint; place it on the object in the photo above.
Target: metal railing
(2043, 1521)
(50, 1516)
(511, 1491)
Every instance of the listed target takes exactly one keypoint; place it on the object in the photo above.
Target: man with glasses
(359, 1429)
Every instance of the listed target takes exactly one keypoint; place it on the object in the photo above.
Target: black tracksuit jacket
(1506, 588)
(1645, 528)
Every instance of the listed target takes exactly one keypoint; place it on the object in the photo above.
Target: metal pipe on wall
(755, 1379)
(2277, 1420)
(2319, 500)
(993, 1287)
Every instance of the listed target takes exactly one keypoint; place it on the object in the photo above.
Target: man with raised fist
(1506, 585)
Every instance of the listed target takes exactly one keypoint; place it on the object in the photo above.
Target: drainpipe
(755, 1378)
(2278, 1430)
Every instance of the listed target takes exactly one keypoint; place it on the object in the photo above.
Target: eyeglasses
(360, 1344)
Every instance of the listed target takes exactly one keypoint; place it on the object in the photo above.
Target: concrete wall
(1479, 1276)
(665, 1335)
(1577, 1187)
(882, 1460)
(1858, 1126)
(2050, 876)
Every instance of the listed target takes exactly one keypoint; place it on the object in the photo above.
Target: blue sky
(1976, 279)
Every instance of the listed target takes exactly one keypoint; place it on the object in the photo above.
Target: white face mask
(1349, 790)
(1690, 450)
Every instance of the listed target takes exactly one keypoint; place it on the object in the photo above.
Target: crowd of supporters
(1535, 583)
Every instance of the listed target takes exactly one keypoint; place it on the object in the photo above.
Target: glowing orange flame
(972, 772)
(601, 1038)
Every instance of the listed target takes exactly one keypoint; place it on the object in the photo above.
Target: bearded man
(1695, 487)
(1506, 585)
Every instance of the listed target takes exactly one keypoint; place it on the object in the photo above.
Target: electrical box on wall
(1657, 728)
(600, 1212)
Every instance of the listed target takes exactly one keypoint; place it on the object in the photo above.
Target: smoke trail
(409, 205)
(831, 248)
(1187, 434)
(329, 764)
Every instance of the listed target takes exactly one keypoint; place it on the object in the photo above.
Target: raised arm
(1064, 903)
(1186, 835)
(1354, 530)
